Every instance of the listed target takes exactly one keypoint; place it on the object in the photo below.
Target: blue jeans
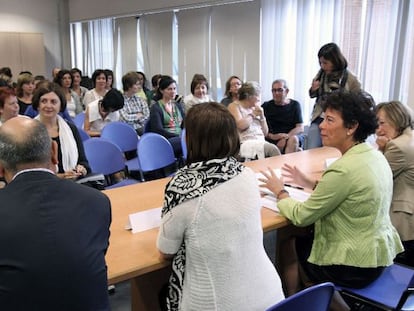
(314, 135)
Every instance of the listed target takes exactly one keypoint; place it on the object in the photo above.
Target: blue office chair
(79, 119)
(125, 137)
(83, 134)
(155, 152)
(106, 158)
(315, 298)
(183, 144)
(391, 291)
(147, 126)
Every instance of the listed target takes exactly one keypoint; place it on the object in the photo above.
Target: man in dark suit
(54, 233)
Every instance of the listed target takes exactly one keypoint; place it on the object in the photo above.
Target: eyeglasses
(279, 90)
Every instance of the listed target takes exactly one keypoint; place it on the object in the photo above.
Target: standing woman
(333, 76)
(24, 91)
(99, 79)
(211, 224)
(396, 140)
(76, 87)
(9, 108)
(73, 105)
(167, 115)
(232, 90)
(49, 100)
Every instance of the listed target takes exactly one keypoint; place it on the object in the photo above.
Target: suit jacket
(54, 234)
(400, 155)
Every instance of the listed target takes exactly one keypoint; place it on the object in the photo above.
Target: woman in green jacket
(353, 238)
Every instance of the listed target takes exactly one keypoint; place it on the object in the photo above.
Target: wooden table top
(130, 255)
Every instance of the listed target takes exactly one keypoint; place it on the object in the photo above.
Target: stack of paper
(269, 199)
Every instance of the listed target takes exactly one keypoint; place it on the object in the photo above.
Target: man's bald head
(24, 143)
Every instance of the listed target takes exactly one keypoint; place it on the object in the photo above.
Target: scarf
(328, 83)
(192, 181)
(68, 146)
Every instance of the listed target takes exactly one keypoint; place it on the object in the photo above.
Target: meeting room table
(134, 256)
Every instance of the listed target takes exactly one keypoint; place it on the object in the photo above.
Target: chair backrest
(147, 126)
(121, 134)
(79, 119)
(83, 134)
(392, 290)
(183, 143)
(315, 298)
(154, 152)
(103, 156)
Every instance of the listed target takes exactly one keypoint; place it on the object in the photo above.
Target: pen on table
(294, 187)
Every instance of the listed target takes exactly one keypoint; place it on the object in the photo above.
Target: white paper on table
(277, 171)
(144, 220)
(269, 199)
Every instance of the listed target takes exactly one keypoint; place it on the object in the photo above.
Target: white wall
(40, 16)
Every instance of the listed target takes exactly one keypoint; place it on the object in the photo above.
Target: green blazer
(350, 210)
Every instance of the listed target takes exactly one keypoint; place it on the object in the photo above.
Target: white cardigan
(226, 264)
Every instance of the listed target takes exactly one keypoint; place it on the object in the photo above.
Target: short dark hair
(211, 133)
(165, 82)
(6, 71)
(355, 108)
(59, 77)
(34, 148)
(96, 74)
(5, 92)
(76, 70)
(228, 85)
(198, 79)
(45, 88)
(113, 100)
(129, 79)
(333, 53)
(22, 79)
(144, 83)
(154, 80)
(109, 72)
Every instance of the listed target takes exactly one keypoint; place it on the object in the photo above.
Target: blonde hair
(399, 115)
(248, 89)
(23, 79)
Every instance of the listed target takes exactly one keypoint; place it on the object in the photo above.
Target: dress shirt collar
(32, 170)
